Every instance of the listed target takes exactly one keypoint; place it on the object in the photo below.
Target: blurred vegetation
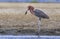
(34, 1)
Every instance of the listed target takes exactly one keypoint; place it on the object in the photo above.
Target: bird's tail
(47, 17)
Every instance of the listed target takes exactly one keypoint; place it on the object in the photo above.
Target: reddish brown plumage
(30, 8)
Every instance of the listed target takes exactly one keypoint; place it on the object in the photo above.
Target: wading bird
(40, 14)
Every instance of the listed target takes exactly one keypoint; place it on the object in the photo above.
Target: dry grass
(28, 21)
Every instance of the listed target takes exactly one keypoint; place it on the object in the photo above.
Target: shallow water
(29, 37)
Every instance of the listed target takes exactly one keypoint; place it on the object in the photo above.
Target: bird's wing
(40, 13)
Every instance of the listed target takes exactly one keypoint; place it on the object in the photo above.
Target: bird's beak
(26, 12)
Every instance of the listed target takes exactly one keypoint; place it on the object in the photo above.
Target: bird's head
(29, 8)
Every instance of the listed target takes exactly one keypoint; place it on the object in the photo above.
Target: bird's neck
(32, 11)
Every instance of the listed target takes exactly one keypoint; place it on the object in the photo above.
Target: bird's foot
(37, 33)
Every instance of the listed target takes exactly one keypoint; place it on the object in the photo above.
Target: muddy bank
(29, 32)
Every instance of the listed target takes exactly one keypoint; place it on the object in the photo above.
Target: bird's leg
(39, 24)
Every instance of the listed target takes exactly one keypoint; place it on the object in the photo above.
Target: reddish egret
(40, 14)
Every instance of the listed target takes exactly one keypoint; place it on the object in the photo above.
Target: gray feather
(40, 14)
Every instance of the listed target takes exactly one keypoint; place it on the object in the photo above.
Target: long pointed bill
(26, 12)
